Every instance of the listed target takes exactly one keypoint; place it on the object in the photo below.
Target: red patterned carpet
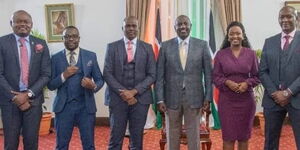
(151, 140)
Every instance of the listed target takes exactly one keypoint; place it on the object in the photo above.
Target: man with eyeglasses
(76, 76)
(24, 72)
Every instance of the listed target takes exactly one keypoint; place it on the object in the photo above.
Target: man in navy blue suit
(280, 75)
(24, 72)
(76, 76)
(129, 71)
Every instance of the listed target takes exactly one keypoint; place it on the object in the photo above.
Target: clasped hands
(237, 87)
(279, 98)
(21, 99)
(85, 82)
(128, 96)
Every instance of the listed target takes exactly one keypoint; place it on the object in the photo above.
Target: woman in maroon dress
(235, 74)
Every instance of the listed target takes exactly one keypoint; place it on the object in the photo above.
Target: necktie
(24, 62)
(129, 51)
(286, 43)
(182, 54)
(72, 59)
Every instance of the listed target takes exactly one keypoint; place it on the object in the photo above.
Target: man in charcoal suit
(24, 72)
(129, 71)
(279, 73)
(184, 83)
(76, 76)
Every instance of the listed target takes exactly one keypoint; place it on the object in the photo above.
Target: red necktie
(286, 43)
(129, 51)
(24, 62)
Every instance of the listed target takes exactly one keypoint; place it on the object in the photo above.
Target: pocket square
(90, 63)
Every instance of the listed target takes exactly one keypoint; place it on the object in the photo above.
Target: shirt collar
(186, 40)
(18, 37)
(133, 41)
(292, 34)
(76, 51)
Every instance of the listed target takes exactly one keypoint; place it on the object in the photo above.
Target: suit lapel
(175, 47)
(15, 50)
(294, 45)
(63, 58)
(138, 54)
(121, 52)
(84, 61)
(277, 49)
(32, 57)
(190, 53)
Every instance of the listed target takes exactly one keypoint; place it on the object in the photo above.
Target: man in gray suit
(129, 71)
(183, 63)
(24, 72)
(279, 73)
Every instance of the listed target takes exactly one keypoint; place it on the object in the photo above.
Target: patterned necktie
(24, 62)
(182, 54)
(129, 51)
(286, 43)
(72, 58)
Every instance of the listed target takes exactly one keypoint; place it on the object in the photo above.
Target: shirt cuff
(62, 78)
(160, 102)
(290, 91)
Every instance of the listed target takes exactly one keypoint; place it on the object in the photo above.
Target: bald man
(129, 71)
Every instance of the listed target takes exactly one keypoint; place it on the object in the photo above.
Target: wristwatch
(285, 93)
(29, 94)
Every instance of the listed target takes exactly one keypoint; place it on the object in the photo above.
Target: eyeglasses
(68, 37)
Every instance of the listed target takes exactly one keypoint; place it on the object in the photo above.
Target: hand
(71, 70)
(21, 99)
(279, 98)
(127, 94)
(206, 106)
(132, 101)
(243, 87)
(88, 83)
(162, 107)
(233, 86)
(25, 106)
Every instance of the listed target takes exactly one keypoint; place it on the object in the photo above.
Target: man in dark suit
(129, 71)
(279, 73)
(24, 71)
(76, 76)
(183, 63)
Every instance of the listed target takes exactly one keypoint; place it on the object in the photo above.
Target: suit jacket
(39, 68)
(270, 66)
(170, 74)
(145, 70)
(90, 69)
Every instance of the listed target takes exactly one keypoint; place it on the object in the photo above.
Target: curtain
(229, 10)
(139, 9)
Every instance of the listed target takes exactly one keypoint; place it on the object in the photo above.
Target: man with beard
(129, 71)
(76, 76)
(279, 73)
(24, 72)
(184, 83)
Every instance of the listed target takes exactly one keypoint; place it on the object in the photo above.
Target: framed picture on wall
(296, 5)
(58, 16)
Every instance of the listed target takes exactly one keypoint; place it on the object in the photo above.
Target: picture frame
(296, 5)
(58, 16)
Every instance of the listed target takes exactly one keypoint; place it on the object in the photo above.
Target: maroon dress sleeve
(253, 79)
(218, 74)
